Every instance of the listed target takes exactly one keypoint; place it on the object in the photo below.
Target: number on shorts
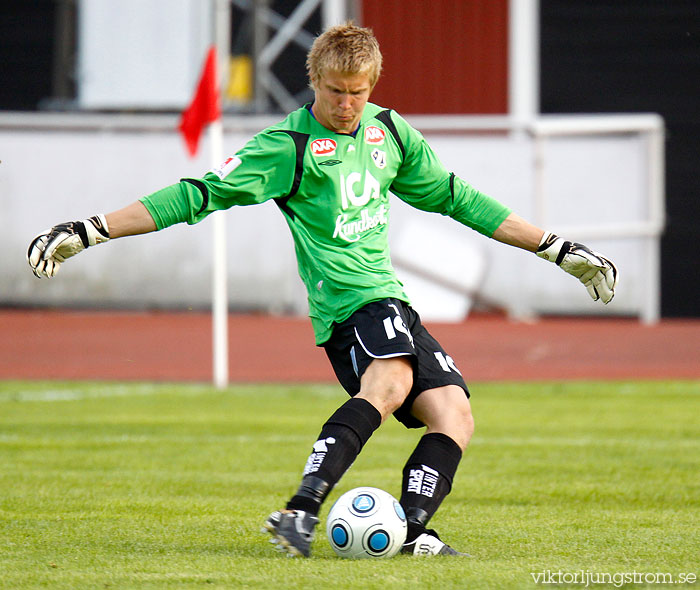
(446, 362)
(392, 325)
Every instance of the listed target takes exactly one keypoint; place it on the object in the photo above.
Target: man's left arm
(424, 183)
(598, 274)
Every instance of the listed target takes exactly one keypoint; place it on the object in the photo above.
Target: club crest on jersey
(374, 135)
(323, 147)
(379, 158)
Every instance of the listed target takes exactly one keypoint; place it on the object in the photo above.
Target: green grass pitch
(166, 486)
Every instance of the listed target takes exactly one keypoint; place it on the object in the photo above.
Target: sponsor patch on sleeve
(226, 167)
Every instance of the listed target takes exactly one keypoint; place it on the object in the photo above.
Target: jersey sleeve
(423, 182)
(263, 169)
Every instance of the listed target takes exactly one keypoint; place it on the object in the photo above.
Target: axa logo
(374, 135)
(323, 147)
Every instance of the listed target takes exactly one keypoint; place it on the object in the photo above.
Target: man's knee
(462, 420)
(386, 383)
(446, 410)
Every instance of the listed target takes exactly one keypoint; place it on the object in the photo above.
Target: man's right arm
(54, 246)
(241, 180)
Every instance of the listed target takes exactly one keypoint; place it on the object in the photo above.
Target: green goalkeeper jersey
(333, 190)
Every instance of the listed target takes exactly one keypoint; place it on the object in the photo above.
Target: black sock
(341, 440)
(427, 479)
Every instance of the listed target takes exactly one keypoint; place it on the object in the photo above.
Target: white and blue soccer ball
(366, 522)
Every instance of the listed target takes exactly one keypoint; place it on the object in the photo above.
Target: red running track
(159, 346)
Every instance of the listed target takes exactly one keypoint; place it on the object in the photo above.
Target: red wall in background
(441, 56)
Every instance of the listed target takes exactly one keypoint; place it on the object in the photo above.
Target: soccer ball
(366, 522)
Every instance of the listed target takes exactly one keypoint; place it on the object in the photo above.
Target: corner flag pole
(203, 111)
(221, 18)
(219, 274)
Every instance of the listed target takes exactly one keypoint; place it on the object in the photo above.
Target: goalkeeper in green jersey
(330, 166)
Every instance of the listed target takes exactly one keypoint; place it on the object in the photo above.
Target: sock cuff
(446, 442)
(358, 415)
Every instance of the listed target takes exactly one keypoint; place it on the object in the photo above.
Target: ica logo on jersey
(351, 196)
(357, 192)
(374, 135)
(323, 147)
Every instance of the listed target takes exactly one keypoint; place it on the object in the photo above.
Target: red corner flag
(205, 106)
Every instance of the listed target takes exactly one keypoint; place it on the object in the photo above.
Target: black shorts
(386, 329)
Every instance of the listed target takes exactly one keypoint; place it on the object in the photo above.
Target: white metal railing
(546, 127)
(91, 137)
(651, 126)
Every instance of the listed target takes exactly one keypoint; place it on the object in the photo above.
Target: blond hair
(346, 49)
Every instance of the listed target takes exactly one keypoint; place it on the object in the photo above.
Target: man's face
(340, 100)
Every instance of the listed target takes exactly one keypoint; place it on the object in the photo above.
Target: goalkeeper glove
(597, 273)
(52, 247)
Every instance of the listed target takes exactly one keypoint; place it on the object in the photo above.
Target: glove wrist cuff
(553, 248)
(96, 229)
